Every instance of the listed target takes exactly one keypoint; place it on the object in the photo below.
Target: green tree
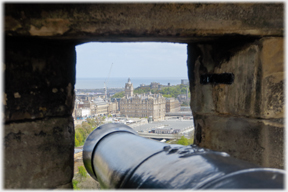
(99, 121)
(141, 90)
(172, 91)
(92, 122)
(74, 182)
(167, 96)
(82, 171)
(82, 131)
(96, 121)
(76, 142)
(87, 127)
(191, 135)
(118, 95)
(78, 137)
(183, 141)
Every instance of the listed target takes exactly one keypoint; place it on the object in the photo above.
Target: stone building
(100, 107)
(113, 107)
(184, 97)
(154, 85)
(82, 112)
(81, 109)
(86, 97)
(184, 81)
(172, 105)
(129, 88)
(95, 107)
(142, 105)
(84, 104)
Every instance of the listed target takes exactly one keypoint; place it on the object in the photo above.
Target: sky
(131, 60)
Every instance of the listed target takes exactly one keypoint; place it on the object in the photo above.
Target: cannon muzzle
(118, 158)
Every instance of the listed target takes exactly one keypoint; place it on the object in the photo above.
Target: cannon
(118, 158)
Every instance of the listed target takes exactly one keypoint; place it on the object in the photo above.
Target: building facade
(172, 105)
(184, 81)
(95, 107)
(113, 107)
(142, 105)
(100, 106)
(129, 89)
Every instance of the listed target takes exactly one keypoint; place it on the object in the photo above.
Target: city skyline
(132, 60)
(95, 83)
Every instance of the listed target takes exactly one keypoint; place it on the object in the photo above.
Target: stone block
(258, 87)
(242, 97)
(39, 79)
(201, 96)
(254, 140)
(65, 187)
(272, 56)
(39, 154)
(272, 60)
(238, 98)
(180, 22)
(274, 141)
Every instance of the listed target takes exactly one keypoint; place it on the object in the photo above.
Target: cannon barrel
(118, 158)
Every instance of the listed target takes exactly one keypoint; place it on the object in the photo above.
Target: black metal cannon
(118, 158)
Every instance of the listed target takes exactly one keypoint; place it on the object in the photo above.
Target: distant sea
(97, 83)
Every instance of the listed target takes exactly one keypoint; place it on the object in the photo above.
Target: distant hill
(172, 91)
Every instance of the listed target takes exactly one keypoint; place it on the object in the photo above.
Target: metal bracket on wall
(224, 78)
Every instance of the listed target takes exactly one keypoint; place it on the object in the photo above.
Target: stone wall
(170, 22)
(38, 153)
(38, 103)
(244, 118)
(248, 114)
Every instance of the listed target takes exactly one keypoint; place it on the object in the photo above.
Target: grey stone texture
(38, 103)
(39, 154)
(249, 110)
(254, 140)
(39, 79)
(64, 187)
(180, 22)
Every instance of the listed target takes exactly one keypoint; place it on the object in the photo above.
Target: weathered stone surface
(257, 90)
(272, 60)
(273, 96)
(272, 55)
(257, 141)
(39, 79)
(65, 187)
(150, 21)
(273, 140)
(39, 154)
(244, 118)
(241, 98)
